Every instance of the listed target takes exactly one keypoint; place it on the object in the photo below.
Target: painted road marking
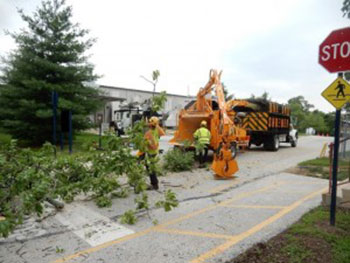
(211, 207)
(220, 249)
(192, 233)
(161, 226)
(303, 183)
(254, 206)
(104, 245)
(90, 226)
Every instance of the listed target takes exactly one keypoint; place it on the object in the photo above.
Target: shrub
(178, 160)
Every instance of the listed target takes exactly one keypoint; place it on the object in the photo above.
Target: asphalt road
(216, 219)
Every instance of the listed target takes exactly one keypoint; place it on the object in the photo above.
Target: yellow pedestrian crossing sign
(338, 93)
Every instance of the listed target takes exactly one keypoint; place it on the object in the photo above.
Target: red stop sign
(334, 54)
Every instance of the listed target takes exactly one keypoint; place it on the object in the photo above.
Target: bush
(178, 160)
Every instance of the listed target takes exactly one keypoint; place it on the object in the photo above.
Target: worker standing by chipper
(202, 140)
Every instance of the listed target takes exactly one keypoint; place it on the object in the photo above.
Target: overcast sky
(261, 45)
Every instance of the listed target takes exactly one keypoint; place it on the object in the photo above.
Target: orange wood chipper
(226, 137)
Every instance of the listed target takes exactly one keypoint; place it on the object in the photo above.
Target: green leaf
(128, 218)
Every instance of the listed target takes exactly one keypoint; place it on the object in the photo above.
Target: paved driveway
(215, 220)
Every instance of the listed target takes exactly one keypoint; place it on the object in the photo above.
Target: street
(215, 220)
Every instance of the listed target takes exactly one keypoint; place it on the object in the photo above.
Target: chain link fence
(343, 175)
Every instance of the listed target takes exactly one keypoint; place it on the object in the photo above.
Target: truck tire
(275, 143)
(272, 144)
(293, 142)
(233, 150)
(267, 146)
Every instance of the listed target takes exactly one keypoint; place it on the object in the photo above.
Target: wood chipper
(225, 136)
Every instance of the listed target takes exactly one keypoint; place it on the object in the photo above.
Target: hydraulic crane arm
(214, 78)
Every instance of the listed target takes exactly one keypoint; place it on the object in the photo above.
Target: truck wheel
(273, 144)
(276, 143)
(293, 142)
(267, 146)
(233, 150)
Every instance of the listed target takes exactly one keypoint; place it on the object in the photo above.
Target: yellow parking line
(104, 245)
(257, 206)
(192, 233)
(160, 226)
(315, 183)
(220, 249)
(284, 191)
(211, 207)
(223, 187)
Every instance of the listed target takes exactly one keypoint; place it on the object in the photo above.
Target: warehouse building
(117, 99)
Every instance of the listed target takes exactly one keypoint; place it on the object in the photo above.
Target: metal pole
(70, 132)
(100, 137)
(54, 118)
(330, 167)
(61, 141)
(335, 164)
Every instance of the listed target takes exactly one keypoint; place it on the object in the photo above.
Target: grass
(83, 139)
(319, 167)
(315, 224)
(310, 240)
(80, 141)
(323, 162)
(4, 137)
(299, 252)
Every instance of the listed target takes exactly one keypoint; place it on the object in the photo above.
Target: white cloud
(261, 46)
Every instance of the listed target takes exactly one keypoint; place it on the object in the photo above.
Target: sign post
(335, 168)
(99, 120)
(334, 56)
(70, 132)
(54, 118)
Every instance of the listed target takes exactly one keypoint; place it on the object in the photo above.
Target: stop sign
(334, 53)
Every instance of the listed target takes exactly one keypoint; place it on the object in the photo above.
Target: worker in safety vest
(202, 137)
(152, 148)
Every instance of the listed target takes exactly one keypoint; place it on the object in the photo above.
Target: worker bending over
(152, 148)
(202, 137)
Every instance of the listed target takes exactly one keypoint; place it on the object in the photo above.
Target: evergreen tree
(50, 56)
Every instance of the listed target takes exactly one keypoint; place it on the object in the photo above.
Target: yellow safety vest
(202, 135)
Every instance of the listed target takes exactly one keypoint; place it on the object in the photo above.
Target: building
(117, 98)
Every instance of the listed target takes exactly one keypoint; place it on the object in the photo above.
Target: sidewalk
(213, 229)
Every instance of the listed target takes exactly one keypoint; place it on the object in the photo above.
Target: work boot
(152, 187)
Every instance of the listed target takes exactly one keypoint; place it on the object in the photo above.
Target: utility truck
(267, 123)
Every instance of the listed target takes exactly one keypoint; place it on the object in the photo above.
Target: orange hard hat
(153, 121)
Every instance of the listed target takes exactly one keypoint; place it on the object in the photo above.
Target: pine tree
(50, 56)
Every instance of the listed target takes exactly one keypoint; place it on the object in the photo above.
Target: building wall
(115, 96)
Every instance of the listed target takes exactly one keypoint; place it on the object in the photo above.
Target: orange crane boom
(226, 136)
